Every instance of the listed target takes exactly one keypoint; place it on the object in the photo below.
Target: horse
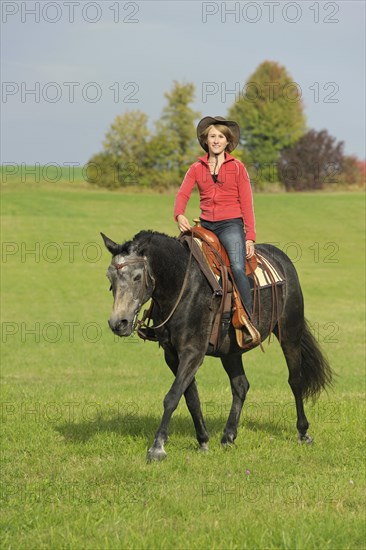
(159, 267)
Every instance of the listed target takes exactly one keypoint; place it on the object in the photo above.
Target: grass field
(80, 407)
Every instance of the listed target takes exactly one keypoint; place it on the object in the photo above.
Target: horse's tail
(316, 373)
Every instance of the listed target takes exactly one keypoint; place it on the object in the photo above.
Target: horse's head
(131, 283)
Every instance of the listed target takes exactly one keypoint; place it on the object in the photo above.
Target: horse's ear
(111, 245)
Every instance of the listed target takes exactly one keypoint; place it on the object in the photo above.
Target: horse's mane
(144, 238)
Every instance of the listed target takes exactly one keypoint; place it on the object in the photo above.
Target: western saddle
(215, 265)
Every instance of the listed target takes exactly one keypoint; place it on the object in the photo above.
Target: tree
(123, 161)
(132, 156)
(270, 115)
(127, 137)
(174, 144)
(314, 161)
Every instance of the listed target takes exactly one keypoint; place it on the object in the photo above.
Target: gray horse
(153, 265)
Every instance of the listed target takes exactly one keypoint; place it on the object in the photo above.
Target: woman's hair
(224, 130)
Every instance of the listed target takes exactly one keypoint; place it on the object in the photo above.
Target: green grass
(80, 408)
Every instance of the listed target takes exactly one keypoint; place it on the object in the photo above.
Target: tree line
(275, 145)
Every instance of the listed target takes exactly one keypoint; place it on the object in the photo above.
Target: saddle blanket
(265, 271)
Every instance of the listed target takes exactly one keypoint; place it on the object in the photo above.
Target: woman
(226, 200)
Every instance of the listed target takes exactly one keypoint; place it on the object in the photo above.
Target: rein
(140, 323)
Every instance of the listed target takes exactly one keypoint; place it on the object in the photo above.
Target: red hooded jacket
(231, 197)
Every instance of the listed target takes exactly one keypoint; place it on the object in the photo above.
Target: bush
(352, 172)
(314, 162)
(105, 170)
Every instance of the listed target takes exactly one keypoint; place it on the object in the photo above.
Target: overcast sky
(69, 67)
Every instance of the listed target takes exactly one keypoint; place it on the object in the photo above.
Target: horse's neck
(169, 265)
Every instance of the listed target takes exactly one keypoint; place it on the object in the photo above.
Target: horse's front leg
(189, 362)
(192, 400)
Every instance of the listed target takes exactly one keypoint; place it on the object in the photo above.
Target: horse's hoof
(226, 446)
(227, 443)
(306, 439)
(203, 447)
(155, 454)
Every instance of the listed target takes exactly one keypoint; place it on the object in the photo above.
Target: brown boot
(250, 334)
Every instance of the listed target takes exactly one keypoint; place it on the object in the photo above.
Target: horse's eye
(137, 278)
(110, 288)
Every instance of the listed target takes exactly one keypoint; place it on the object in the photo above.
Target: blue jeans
(232, 236)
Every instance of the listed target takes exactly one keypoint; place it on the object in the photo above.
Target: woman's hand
(183, 223)
(250, 249)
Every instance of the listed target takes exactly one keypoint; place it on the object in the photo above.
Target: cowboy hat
(209, 121)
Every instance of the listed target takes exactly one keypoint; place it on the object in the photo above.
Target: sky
(70, 67)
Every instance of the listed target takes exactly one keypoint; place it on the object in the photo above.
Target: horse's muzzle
(121, 327)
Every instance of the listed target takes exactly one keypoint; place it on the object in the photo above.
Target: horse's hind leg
(192, 400)
(239, 388)
(292, 353)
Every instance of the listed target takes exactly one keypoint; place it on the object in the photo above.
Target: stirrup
(253, 332)
(248, 335)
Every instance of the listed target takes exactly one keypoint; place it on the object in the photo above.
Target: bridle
(141, 323)
(140, 296)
